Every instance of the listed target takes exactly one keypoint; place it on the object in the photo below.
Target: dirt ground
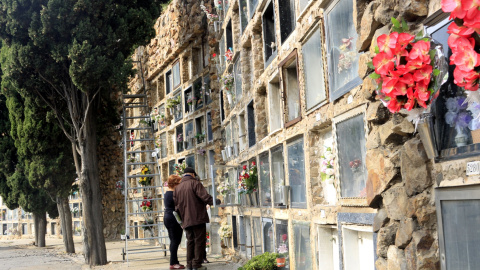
(21, 255)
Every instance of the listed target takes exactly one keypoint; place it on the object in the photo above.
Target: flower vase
(190, 108)
(224, 155)
(230, 99)
(255, 199)
(171, 111)
(229, 151)
(281, 262)
(461, 138)
(426, 130)
(235, 149)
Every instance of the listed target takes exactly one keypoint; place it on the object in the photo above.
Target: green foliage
(265, 261)
(399, 27)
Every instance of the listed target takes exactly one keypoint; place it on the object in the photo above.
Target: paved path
(21, 255)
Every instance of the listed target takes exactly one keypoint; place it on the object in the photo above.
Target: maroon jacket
(191, 198)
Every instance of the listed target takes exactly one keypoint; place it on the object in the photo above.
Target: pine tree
(72, 54)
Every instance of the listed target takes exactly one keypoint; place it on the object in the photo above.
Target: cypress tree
(72, 54)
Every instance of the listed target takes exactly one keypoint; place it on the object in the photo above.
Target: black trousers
(175, 234)
(196, 241)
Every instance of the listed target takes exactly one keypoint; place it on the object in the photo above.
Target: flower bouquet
(180, 168)
(408, 70)
(248, 180)
(464, 41)
(356, 165)
(147, 204)
(200, 137)
(458, 117)
(119, 185)
(180, 138)
(210, 16)
(225, 231)
(145, 181)
(229, 55)
(224, 188)
(207, 240)
(347, 56)
(148, 225)
(474, 124)
(327, 171)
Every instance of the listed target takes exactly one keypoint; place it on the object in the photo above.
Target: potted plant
(282, 252)
(263, 261)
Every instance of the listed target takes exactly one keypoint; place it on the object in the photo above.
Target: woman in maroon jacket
(174, 230)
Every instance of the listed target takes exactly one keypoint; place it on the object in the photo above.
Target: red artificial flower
(387, 43)
(415, 64)
(420, 49)
(459, 43)
(254, 163)
(148, 204)
(462, 31)
(394, 107)
(410, 104)
(383, 63)
(214, 55)
(284, 237)
(423, 74)
(407, 79)
(388, 85)
(246, 175)
(404, 39)
(421, 91)
(466, 59)
(454, 7)
(400, 89)
(469, 80)
(400, 71)
(244, 167)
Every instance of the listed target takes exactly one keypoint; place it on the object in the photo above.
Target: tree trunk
(41, 224)
(93, 238)
(35, 226)
(66, 222)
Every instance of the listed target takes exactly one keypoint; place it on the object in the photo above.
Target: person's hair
(173, 181)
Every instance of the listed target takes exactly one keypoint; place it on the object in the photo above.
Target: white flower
(330, 171)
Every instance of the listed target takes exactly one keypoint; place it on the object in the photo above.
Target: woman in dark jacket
(175, 231)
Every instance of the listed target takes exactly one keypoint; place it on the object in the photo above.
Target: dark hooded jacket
(191, 198)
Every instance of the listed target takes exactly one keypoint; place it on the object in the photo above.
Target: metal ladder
(134, 193)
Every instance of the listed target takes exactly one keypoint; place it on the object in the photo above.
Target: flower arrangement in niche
(207, 240)
(119, 185)
(210, 16)
(218, 4)
(147, 204)
(355, 165)
(248, 180)
(347, 56)
(145, 181)
(191, 100)
(202, 152)
(180, 168)
(224, 188)
(408, 71)
(174, 101)
(225, 231)
(227, 81)
(229, 55)
(180, 137)
(459, 118)
(464, 42)
(327, 171)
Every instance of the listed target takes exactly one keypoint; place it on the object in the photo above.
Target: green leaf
(374, 76)
(370, 65)
(432, 54)
(419, 36)
(404, 26)
(396, 23)
(377, 50)
(436, 72)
